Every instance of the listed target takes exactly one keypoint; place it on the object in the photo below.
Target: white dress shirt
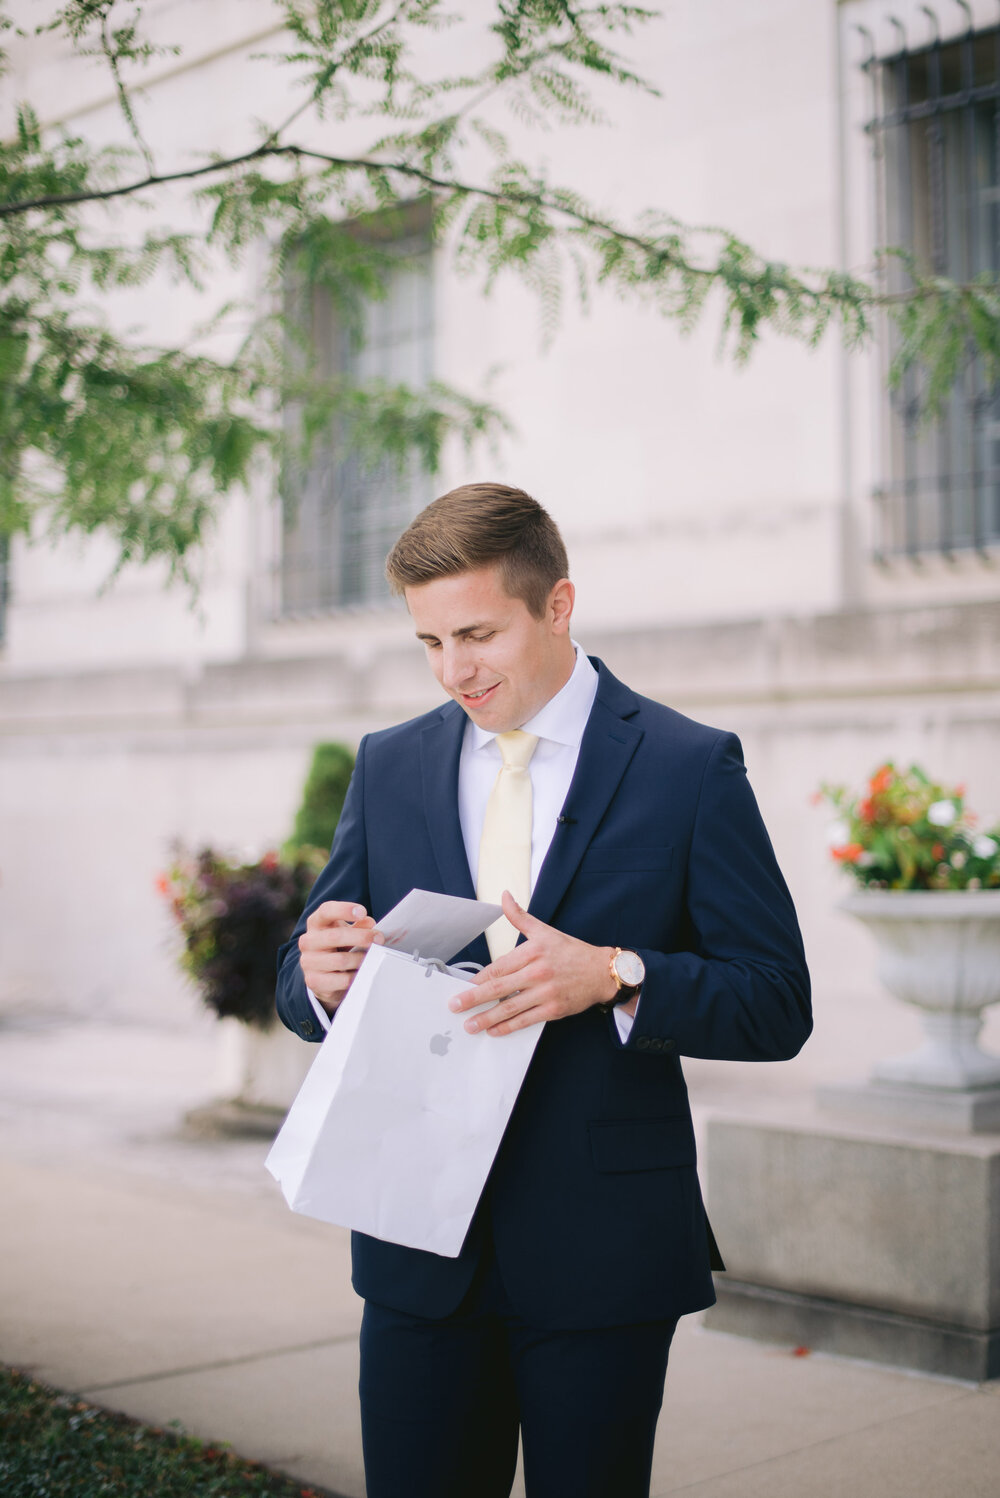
(559, 727)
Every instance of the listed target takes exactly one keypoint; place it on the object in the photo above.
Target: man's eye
(480, 638)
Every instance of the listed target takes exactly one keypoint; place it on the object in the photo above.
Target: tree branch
(366, 164)
(124, 101)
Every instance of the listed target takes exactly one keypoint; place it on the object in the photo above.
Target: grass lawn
(55, 1445)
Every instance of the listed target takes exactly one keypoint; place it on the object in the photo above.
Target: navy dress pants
(443, 1402)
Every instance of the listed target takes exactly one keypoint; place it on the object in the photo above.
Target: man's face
(488, 651)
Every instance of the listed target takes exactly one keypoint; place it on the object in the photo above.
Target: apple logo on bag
(440, 1044)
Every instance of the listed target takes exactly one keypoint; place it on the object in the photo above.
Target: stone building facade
(775, 549)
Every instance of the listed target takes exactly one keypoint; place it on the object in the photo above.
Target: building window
(937, 135)
(341, 516)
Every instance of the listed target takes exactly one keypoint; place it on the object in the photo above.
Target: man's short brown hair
(483, 525)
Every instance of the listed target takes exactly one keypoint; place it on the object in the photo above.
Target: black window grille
(341, 515)
(936, 129)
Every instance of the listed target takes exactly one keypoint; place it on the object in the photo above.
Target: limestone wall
(100, 770)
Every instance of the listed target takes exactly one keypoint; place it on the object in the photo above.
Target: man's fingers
(336, 913)
(499, 987)
(340, 961)
(507, 1017)
(342, 936)
(502, 968)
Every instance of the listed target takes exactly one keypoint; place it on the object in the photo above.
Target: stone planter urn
(258, 1073)
(940, 951)
(261, 1068)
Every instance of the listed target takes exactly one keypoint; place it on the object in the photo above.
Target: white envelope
(397, 1124)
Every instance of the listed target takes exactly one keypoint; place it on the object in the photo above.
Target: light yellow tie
(505, 847)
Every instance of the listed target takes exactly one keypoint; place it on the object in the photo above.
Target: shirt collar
(564, 717)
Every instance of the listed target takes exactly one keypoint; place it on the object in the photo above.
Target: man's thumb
(515, 913)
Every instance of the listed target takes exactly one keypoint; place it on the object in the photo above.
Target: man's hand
(331, 949)
(547, 977)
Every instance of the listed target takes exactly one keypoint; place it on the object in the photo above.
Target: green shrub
(56, 1445)
(322, 799)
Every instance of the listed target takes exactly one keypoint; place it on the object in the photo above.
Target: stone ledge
(860, 1240)
(769, 1315)
(958, 1112)
(234, 1120)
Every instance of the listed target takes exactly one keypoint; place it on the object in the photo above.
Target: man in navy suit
(658, 926)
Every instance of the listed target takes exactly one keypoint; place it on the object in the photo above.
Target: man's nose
(459, 667)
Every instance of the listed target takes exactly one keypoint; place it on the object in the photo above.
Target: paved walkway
(164, 1276)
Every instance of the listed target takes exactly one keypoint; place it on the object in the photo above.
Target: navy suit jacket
(593, 1202)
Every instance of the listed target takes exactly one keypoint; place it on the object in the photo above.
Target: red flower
(866, 810)
(162, 885)
(881, 780)
(849, 853)
(938, 851)
(269, 861)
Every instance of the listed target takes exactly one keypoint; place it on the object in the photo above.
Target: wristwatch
(629, 973)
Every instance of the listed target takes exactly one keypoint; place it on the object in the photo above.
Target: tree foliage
(102, 432)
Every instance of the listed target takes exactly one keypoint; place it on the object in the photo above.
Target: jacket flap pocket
(642, 1144)
(636, 860)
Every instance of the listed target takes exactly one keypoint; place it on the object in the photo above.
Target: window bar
(883, 520)
(974, 405)
(890, 95)
(910, 409)
(939, 259)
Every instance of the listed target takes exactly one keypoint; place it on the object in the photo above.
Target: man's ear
(560, 606)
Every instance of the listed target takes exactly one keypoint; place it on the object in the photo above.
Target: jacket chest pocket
(626, 860)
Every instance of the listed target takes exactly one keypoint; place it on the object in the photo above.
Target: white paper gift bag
(396, 1126)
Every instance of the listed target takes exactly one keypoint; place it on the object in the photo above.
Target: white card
(437, 926)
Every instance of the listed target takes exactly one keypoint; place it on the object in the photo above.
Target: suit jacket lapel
(440, 751)
(606, 749)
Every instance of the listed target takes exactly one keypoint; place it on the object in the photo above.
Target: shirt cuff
(625, 1021)
(321, 1013)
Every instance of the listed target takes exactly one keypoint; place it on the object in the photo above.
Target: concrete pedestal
(940, 1109)
(871, 1243)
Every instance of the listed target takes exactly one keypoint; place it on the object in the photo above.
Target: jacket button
(670, 1045)
(642, 1044)
(307, 1027)
(656, 1044)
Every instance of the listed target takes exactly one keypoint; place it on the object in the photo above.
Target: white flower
(941, 813)
(837, 834)
(958, 859)
(984, 847)
(865, 860)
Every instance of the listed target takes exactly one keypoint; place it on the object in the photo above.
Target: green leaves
(101, 431)
(55, 1445)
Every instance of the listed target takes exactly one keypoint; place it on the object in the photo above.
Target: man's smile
(479, 696)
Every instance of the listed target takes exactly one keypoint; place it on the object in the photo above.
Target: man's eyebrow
(456, 634)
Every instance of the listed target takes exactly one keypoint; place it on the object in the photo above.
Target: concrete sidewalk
(164, 1276)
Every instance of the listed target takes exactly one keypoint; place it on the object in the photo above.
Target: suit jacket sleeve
(741, 991)
(344, 878)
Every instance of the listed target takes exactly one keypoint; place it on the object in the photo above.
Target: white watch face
(630, 968)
